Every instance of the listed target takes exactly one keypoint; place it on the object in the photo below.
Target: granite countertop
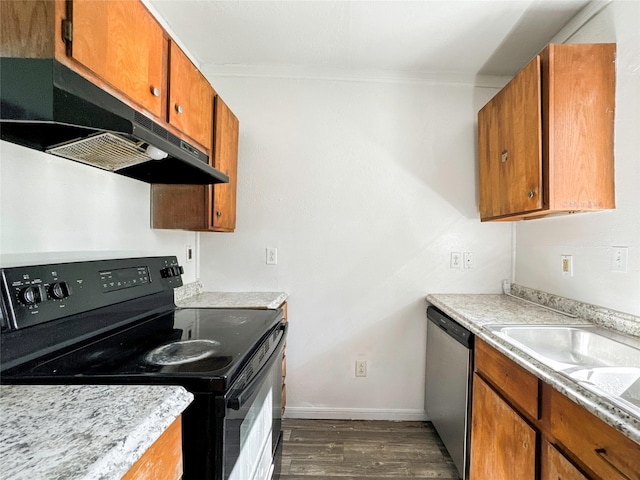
(89, 432)
(193, 296)
(477, 311)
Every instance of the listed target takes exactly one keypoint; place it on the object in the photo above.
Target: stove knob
(32, 295)
(176, 271)
(59, 290)
(166, 272)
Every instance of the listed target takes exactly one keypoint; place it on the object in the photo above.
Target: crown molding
(304, 72)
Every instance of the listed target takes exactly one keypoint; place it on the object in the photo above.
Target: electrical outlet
(467, 259)
(567, 265)
(272, 256)
(620, 259)
(456, 260)
(189, 254)
(361, 368)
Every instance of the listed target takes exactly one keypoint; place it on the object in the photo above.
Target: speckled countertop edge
(475, 312)
(82, 432)
(193, 296)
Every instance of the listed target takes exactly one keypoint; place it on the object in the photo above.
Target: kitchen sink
(619, 382)
(564, 346)
(601, 360)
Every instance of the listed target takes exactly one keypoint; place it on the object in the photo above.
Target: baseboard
(319, 413)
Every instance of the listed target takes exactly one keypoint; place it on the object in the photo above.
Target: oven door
(253, 422)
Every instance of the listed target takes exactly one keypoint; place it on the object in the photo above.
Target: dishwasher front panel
(447, 396)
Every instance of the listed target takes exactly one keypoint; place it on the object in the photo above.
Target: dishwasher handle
(451, 327)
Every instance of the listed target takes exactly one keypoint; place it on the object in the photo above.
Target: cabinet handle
(179, 108)
(531, 194)
(602, 453)
(504, 156)
(155, 91)
(218, 213)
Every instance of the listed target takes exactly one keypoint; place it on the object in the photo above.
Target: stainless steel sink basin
(619, 382)
(570, 346)
(599, 359)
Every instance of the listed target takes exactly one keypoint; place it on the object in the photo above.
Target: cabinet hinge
(67, 31)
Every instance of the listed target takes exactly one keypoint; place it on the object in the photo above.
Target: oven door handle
(236, 402)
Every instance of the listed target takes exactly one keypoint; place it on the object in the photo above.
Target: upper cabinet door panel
(122, 43)
(190, 98)
(580, 101)
(226, 160)
(510, 147)
(545, 144)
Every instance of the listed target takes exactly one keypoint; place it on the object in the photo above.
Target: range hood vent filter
(105, 150)
(46, 106)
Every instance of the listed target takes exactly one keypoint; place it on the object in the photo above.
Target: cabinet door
(163, 459)
(503, 445)
(122, 43)
(598, 447)
(556, 466)
(226, 160)
(190, 99)
(510, 147)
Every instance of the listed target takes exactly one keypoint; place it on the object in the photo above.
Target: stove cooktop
(201, 349)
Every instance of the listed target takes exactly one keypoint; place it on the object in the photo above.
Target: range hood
(48, 107)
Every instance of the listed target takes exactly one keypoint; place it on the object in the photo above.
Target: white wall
(365, 189)
(52, 210)
(590, 237)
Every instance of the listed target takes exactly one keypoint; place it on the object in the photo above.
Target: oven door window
(249, 430)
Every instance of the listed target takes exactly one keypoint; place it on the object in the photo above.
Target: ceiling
(454, 37)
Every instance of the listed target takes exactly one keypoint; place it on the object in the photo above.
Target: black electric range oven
(115, 322)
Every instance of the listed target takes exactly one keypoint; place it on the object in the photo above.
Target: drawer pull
(155, 91)
(179, 108)
(602, 453)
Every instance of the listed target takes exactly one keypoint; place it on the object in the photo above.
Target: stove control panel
(169, 272)
(40, 293)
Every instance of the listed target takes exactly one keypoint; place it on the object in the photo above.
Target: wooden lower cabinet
(503, 444)
(528, 430)
(163, 459)
(598, 448)
(555, 466)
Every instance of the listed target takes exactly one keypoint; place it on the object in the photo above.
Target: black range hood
(48, 107)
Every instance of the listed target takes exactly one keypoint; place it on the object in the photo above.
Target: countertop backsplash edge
(605, 317)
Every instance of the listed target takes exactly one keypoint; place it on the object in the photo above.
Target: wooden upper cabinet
(204, 207)
(223, 207)
(120, 47)
(510, 147)
(122, 43)
(545, 141)
(190, 98)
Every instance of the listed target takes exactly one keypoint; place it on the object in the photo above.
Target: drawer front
(602, 449)
(515, 383)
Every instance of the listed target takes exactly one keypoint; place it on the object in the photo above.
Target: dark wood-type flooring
(355, 449)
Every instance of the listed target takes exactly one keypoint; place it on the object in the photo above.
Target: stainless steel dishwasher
(448, 384)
